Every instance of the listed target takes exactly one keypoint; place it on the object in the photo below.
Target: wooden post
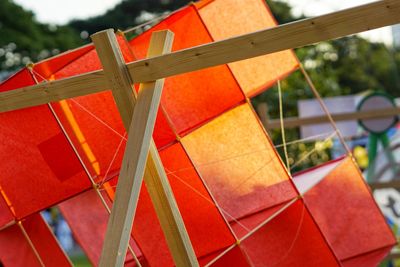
(139, 143)
(262, 111)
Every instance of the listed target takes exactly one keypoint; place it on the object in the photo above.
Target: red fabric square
(27, 181)
(347, 214)
(15, 249)
(290, 239)
(88, 218)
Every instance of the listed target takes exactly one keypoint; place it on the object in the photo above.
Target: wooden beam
(293, 122)
(287, 36)
(52, 91)
(130, 182)
(262, 111)
(393, 256)
(382, 185)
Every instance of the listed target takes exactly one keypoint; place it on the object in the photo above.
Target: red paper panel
(20, 79)
(228, 18)
(95, 128)
(16, 251)
(147, 232)
(206, 228)
(191, 99)
(234, 257)
(29, 180)
(46, 68)
(356, 226)
(88, 218)
(44, 241)
(244, 225)
(239, 164)
(290, 239)
(370, 259)
(88, 62)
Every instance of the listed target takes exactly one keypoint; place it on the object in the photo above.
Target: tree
(23, 39)
(127, 14)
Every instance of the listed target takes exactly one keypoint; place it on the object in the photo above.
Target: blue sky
(59, 12)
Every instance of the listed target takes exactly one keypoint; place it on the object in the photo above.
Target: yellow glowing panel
(227, 18)
(236, 160)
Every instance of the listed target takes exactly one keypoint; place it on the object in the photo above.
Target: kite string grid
(249, 232)
(207, 163)
(204, 164)
(94, 184)
(123, 137)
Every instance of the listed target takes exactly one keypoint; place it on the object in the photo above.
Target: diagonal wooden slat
(136, 154)
(287, 36)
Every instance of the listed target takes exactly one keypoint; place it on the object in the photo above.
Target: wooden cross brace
(139, 119)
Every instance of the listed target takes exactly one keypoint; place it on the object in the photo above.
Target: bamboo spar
(287, 36)
(143, 116)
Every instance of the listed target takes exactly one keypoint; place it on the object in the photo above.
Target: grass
(80, 261)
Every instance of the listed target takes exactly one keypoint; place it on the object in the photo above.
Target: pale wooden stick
(287, 36)
(139, 141)
(293, 122)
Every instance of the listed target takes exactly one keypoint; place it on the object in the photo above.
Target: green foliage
(127, 14)
(23, 39)
(80, 261)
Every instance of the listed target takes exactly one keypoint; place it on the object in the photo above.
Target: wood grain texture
(287, 36)
(136, 153)
(118, 79)
(52, 91)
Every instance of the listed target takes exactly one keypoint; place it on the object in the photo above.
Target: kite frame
(148, 71)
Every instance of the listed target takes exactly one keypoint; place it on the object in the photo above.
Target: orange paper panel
(347, 214)
(239, 164)
(227, 18)
(193, 98)
(290, 239)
